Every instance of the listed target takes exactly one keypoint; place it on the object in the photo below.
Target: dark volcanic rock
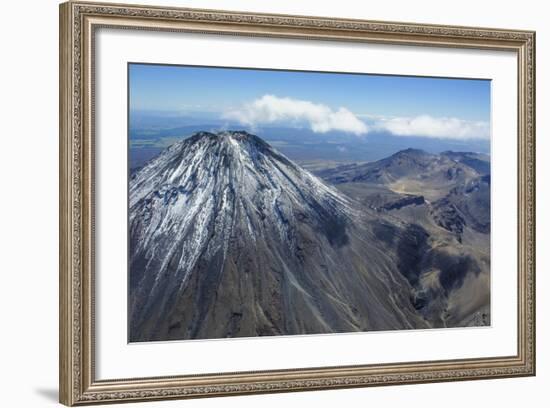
(469, 204)
(404, 202)
(447, 216)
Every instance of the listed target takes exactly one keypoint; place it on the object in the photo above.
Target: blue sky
(415, 104)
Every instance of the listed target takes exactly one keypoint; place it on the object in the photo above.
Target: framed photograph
(256, 203)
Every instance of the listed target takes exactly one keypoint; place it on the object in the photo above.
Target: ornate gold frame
(78, 21)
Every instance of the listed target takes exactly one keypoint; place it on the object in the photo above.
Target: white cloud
(428, 126)
(320, 118)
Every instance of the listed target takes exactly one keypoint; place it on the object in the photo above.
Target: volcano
(229, 238)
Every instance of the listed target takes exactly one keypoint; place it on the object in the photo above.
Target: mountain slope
(446, 201)
(229, 238)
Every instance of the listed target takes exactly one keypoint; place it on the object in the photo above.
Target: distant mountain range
(230, 238)
(414, 170)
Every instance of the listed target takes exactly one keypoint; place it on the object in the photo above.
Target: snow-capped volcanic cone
(229, 238)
